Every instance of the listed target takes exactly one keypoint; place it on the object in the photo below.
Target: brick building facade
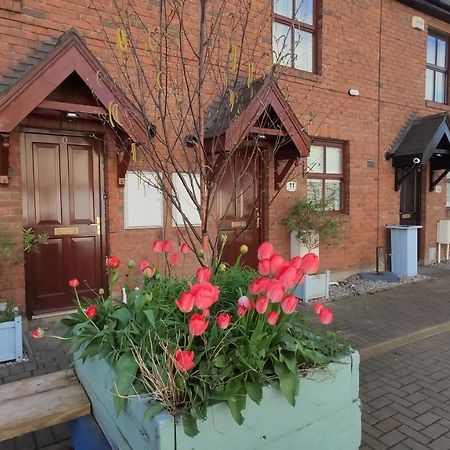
(365, 84)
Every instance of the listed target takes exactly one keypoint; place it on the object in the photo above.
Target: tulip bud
(222, 267)
(148, 272)
(243, 249)
(131, 264)
(200, 253)
(101, 291)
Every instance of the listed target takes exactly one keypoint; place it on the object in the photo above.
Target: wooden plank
(72, 107)
(36, 385)
(34, 412)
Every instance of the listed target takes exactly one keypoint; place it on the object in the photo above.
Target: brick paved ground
(406, 397)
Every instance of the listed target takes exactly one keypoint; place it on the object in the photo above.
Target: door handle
(97, 224)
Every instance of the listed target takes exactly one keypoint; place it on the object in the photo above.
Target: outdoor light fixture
(71, 115)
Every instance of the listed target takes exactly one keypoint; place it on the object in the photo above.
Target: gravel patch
(354, 285)
(25, 358)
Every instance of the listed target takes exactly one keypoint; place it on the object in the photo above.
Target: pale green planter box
(327, 415)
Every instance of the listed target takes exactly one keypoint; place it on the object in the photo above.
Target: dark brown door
(63, 199)
(410, 201)
(239, 203)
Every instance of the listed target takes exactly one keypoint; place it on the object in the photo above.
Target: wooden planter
(327, 415)
(314, 286)
(11, 340)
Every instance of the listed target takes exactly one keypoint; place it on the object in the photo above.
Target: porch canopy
(425, 141)
(257, 112)
(26, 88)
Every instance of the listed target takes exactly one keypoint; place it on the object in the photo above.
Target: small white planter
(11, 340)
(314, 286)
(298, 249)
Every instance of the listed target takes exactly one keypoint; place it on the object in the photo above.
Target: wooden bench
(40, 402)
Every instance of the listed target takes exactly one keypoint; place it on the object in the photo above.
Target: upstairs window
(294, 33)
(437, 69)
(326, 174)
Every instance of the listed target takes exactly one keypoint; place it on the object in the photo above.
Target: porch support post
(4, 158)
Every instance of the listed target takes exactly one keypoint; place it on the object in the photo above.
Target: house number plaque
(63, 231)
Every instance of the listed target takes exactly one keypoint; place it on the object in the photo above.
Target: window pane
(304, 11)
(333, 160)
(439, 89)
(282, 44)
(283, 7)
(431, 50)
(333, 193)
(441, 53)
(303, 50)
(315, 159)
(314, 190)
(429, 85)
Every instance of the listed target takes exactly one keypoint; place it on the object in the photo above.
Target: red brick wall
(369, 124)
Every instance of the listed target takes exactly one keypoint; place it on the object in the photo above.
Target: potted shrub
(184, 361)
(311, 224)
(10, 320)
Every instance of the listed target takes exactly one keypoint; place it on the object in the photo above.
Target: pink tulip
(158, 246)
(272, 318)
(265, 251)
(276, 261)
(167, 246)
(203, 274)
(197, 324)
(144, 265)
(275, 291)
(223, 320)
(184, 249)
(258, 285)
(174, 259)
(296, 262)
(245, 302)
(287, 276)
(205, 295)
(74, 283)
(326, 316)
(186, 302)
(184, 359)
(264, 267)
(310, 263)
(289, 304)
(261, 305)
(318, 306)
(241, 310)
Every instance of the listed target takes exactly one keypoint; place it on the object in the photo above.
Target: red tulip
(223, 320)
(272, 318)
(206, 313)
(287, 276)
(203, 274)
(318, 306)
(184, 360)
(261, 305)
(167, 246)
(326, 316)
(174, 259)
(112, 262)
(275, 291)
(310, 263)
(74, 283)
(205, 295)
(276, 261)
(197, 324)
(144, 265)
(265, 250)
(38, 333)
(184, 249)
(241, 310)
(158, 246)
(245, 302)
(289, 304)
(296, 262)
(186, 302)
(264, 267)
(91, 311)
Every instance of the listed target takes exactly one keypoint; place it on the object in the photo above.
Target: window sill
(296, 73)
(436, 105)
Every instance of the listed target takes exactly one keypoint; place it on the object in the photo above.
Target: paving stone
(443, 443)
(435, 430)
(428, 418)
(392, 438)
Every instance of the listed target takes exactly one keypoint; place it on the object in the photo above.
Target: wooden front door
(64, 179)
(239, 202)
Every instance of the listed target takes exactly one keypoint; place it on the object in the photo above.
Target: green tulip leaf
(126, 370)
(190, 425)
(289, 382)
(122, 314)
(153, 410)
(254, 391)
(237, 405)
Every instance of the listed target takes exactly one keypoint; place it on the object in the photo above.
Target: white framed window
(187, 204)
(143, 201)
